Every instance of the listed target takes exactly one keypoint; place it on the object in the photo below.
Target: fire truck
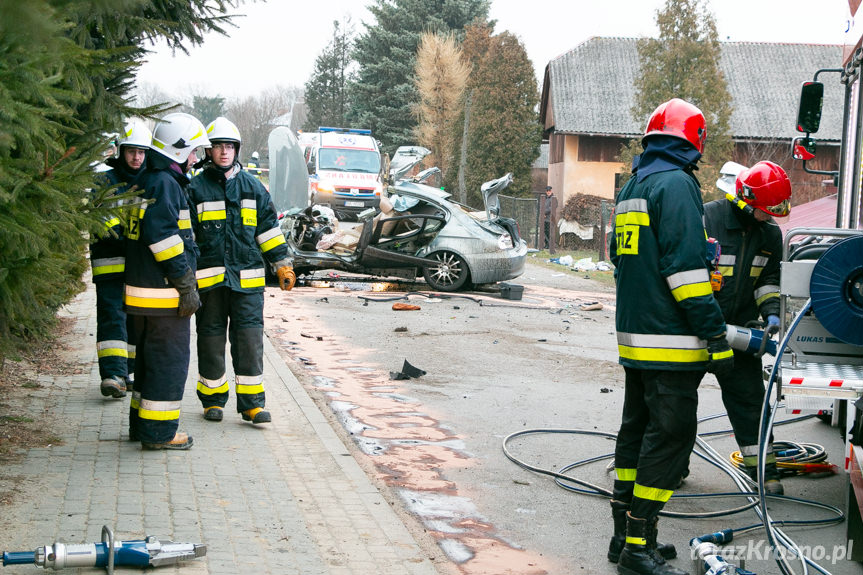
(821, 366)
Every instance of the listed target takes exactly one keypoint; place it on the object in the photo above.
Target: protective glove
(187, 285)
(720, 357)
(287, 277)
(772, 325)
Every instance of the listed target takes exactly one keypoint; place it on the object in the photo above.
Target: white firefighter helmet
(255, 156)
(135, 134)
(728, 176)
(223, 130)
(177, 135)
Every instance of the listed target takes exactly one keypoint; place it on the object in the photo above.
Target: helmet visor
(780, 210)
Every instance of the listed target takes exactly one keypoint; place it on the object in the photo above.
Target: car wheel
(448, 273)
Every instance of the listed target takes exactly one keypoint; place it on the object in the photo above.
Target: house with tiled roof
(588, 95)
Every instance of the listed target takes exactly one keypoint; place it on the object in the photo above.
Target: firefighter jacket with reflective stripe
(665, 305)
(236, 229)
(159, 242)
(750, 256)
(108, 252)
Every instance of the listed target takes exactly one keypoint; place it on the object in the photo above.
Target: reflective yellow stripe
(250, 217)
(184, 222)
(101, 266)
(689, 283)
(252, 278)
(208, 216)
(625, 474)
(210, 276)
(270, 244)
(692, 290)
(766, 292)
(726, 271)
(662, 354)
(208, 211)
(158, 415)
(722, 354)
(211, 281)
(111, 348)
(212, 386)
(636, 540)
(159, 298)
(167, 248)
(158, 410)
(253, 283)
(110, 223)
(632, 218)
(652, 493)
(766, 297)
(161, 303)
(250, 384)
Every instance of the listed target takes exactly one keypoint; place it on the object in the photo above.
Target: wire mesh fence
(526, 212)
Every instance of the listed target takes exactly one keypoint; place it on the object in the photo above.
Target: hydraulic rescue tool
(708, 557)
(109, 553)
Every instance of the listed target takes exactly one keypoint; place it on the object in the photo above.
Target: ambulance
(345, 171)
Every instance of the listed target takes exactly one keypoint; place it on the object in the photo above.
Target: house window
(598, 149)
(555, 148)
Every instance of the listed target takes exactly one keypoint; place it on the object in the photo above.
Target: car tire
(448, 273)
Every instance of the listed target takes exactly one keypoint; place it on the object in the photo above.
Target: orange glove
(287, 277)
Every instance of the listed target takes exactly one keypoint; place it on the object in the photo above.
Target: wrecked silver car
(420, 231)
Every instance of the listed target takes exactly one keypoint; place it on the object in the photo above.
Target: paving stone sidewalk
(285, 498)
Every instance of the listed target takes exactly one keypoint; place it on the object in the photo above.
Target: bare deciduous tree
(256, 116)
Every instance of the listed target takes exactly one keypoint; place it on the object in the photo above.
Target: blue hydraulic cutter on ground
(139, 553)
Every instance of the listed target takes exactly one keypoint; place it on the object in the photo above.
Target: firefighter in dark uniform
(161, 291)
(254, 165)
(669, 331)
(750, 254)
(115, 346)
(236, 230)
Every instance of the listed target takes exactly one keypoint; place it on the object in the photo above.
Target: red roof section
(820, 213)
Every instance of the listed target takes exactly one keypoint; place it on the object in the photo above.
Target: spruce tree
(66, 76)
(326, 92)
(383, 95)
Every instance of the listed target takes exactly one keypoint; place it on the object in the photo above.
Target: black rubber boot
(772, 476)
(618, 540)
(637, 558)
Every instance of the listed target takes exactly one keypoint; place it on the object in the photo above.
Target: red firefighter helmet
(678, 118)
(765, 186)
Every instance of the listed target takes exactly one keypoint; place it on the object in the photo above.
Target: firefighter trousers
(162, 366)
(743, 397)
(656, 436)
(239, 317)
(115, 336)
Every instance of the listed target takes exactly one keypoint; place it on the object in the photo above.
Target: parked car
(420, 231)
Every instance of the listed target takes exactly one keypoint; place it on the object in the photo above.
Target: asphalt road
(495, 367)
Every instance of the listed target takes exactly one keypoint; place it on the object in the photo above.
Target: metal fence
(526, 212)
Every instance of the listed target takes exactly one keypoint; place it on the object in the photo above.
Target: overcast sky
(276, 42)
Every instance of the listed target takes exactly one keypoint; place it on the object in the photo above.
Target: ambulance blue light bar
(362, 131)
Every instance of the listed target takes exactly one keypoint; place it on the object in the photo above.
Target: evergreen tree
(326, 92)
(383, 95)
(441, 76)
(684, 63)
(502, 132)
(207, 108)
(67, 73)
